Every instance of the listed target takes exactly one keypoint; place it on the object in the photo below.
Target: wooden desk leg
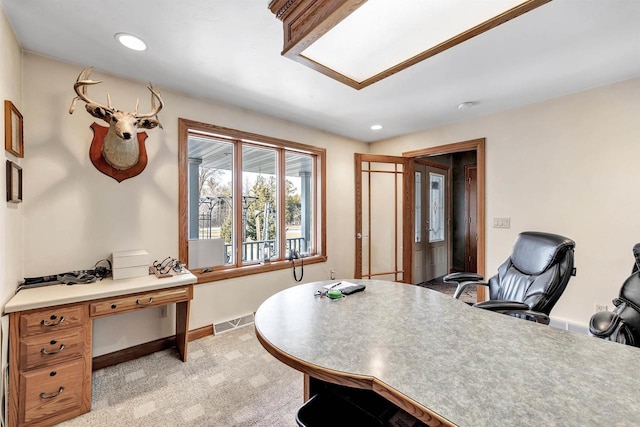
(182, 328)
(306, 391)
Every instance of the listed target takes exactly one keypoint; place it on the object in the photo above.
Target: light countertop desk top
(47, 296)
(466, 366)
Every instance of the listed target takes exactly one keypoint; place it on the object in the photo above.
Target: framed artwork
(14, 182)
(13, 138)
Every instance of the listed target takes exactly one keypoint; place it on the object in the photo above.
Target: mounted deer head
(121, 147)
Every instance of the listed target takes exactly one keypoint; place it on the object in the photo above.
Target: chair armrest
(497, 305)
(463, 285)
(463, 277)
(604, 323)
(513, 307)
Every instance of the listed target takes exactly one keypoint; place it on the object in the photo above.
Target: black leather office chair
(530, 281)
(623, 324)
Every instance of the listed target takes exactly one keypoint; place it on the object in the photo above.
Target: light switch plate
(501, 222)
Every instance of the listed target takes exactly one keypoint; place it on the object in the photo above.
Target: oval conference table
(447, 363)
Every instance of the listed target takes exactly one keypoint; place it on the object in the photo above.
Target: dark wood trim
(408, 221)
(131, 353)
(234, 134)
(358, 211)
(204, 331)
(282, 200)
(320, 222)
(247, 270)
(470, 244)
(237, 205)
(183, 190)
(432, 164)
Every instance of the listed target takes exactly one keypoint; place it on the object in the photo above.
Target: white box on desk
(133, 258)
(129, 272)
(128, 264)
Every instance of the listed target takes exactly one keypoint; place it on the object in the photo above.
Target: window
(247, 201)
(436, 212)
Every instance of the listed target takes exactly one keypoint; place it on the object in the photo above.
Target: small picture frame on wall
(14, 182)
(13, 137)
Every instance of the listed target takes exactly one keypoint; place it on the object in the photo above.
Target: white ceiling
(229, 51)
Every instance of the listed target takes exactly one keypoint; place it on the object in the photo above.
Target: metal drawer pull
(44, 350)
(145, 303)
(59, 322)
(43, 395)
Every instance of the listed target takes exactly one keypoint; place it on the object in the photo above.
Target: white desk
(50, 339)
(47, 296)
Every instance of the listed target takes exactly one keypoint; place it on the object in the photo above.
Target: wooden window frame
(238, 269)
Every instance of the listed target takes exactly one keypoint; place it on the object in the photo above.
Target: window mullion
(237, 204)
(281, 194)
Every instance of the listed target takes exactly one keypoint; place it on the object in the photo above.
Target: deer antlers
(80, 87)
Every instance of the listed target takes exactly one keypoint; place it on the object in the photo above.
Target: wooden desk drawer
(53, 319)
(135, 302)
(50, 391)
(54, 347)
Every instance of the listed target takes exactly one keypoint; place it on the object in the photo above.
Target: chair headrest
(630, 289)
(636, 255)
(534, 252)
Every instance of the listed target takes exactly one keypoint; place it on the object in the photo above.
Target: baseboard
(131, 353)
(569, 326)
(202, 332)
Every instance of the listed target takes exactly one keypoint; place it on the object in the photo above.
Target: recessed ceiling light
(131, 41)
(466, 105)
(376, 127)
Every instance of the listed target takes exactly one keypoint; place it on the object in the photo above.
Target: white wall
(566, 165)
(75, 215)
(11, 215)
(569, 166)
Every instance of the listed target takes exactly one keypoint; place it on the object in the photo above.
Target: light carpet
(228, 380)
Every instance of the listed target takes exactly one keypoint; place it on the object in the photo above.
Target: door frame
(468, 237)
(477, 145)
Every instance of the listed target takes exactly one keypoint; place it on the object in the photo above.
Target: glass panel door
(381, 228)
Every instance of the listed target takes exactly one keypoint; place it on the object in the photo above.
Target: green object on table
(334, 293)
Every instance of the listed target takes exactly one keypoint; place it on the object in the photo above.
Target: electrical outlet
(601, 307)
(333, 275)
(163, 311)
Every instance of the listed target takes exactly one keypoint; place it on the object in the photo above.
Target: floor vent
(569, 326)
(229, 325)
